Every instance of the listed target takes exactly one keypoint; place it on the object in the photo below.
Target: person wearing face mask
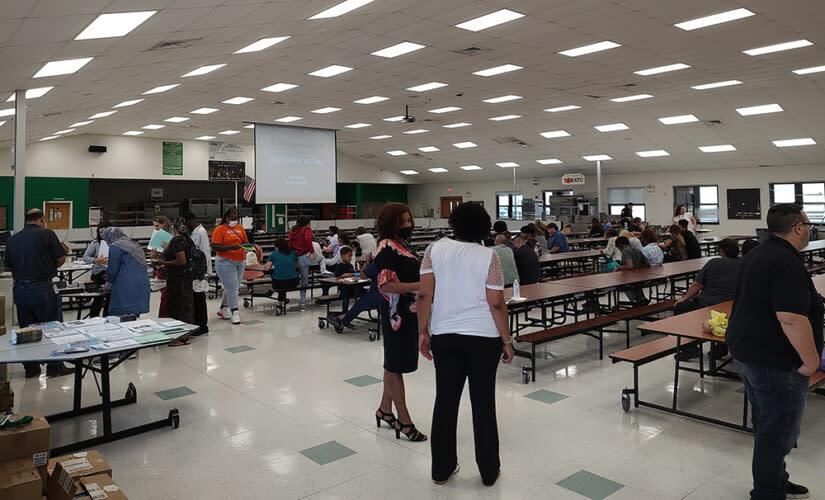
(160, 223)
(97, 254)
(229, 263)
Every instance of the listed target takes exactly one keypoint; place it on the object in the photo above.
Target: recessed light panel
(429, 149)
(7, 112)
(31, 93)
(153, 127)
(203, 70)
(396, 152)
(61, 132)
(722, 17)
(238, 100)
(504, 68)
(597, 158)
(787, 143)
(380, 137)
(80, 124)
(162, 88)
(507, 164)
(398, 50)
(612, 127)
(133, 132)
(251, 125)
(448, 109)
(562, 108)
(716, 85)
(779, 47)
(358, 125)
(803, 71)
(457, 125)
(229, 132)
(427, 86)
(340, 9)
(470, 167)
(279, 87)
(409, 172)
(465, 145)
(760, 110)
(112, 25)
(263, 43)
(589, 49)
(504, 117)
(416, 131)
(64, 67)
(662, 69)
(549, 161)
(636, 97)
(102, 115)
(330, 71)
(205, 138)
(176, 119)
(49, 138)
(394, 118)
(719, 148)
(488, 21)
(438, 170)
(553, 134)
(204, 111)
(289, 119)
(504, 98)
(371, 100)
(323, 111)
(653, 153)
(125, 104)
(674, 120)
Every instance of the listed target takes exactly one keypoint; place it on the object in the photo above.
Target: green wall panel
(40, 189)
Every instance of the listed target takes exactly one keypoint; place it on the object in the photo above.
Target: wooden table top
(689, 324)
(581, 254)
(547, 290)
(819, 283)
(681, 267)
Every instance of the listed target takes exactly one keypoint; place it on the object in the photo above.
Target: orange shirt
(229, 236)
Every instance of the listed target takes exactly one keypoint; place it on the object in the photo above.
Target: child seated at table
(365, 302)
(632, 258)
(282, 261)
(344, 269)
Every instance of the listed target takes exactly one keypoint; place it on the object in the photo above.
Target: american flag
(248, 188)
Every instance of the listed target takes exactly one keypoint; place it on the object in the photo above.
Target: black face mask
(405, 233)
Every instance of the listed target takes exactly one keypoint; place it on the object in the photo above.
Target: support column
(19, 145)
(599, 184)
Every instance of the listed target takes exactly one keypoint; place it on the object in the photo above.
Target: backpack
(195, 263)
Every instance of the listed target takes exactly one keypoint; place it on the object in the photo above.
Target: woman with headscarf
(126, 274)
(180, 299)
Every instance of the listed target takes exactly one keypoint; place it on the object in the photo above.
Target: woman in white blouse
(468, 335)
(681, 214)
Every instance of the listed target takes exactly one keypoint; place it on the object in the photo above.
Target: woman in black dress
(397, 267)
(180, 298)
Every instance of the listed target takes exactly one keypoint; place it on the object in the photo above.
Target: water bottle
(515, 289)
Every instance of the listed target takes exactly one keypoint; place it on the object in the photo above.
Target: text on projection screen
(294, 165)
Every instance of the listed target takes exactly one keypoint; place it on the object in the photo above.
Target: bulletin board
(744, 204)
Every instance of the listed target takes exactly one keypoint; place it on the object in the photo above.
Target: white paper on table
(68, 339)
(116, 344)
(50, 334)
(139, 323)
(109, 334)
(85, 322)
(88, 330)
(173, 322)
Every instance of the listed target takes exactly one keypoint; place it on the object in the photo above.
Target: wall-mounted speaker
(97, 149)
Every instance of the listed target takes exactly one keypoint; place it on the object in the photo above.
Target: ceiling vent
(470, 51)
(508, 140)
(49, 115)
(176, 44)
(713, 123)
(594, 96)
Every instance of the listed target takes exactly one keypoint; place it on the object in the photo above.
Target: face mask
(233, 223)
(405, 232)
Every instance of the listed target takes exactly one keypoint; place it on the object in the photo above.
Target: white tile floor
(253, 412)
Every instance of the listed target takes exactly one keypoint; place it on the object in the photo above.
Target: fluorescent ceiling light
(803, 71)
(717, 149)
(162, 88)
(153, 127)
(503, 98)
(416, 131)
(176, 119)
(251, 125)
(2, 123)
(331, 71)
(662, 69)
(340, 9)
(204, 111)
(205, 138)
(760, 110)
(597, 158)
(653, 153)
(438, 170)
(61, 132)
(31, 93)
(279, 87)
(465, 145)
(125, 104)
(379, 137)
(470, 167)
(102, 115)
(80, 124)
(549, 161)
(288, 119)
(263, 43)
(371, 100)
(49, 138)
(488, 21)
(775, 48)
(238, 100)
(505, 68)
(457, 125)
(396, 152)
(7, 112)
(203, 70)
(133, 132)
(64, 67)
(112, 25)
(427, 86)
(394, 118)
(722, 17)
(398, 49)
(229, 132)
(358, 125)
(726, 83)
(508, 164)
(612, 127)
(448, 109)
(629, 98)
(429, 149)
(562, 108)
(409, 172)
(589, 49)
(326, 110)
(504, 117)
(674, 120)
(553, 134)
(794, 142)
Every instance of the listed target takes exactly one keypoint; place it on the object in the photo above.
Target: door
(448, 203)
(58, 214)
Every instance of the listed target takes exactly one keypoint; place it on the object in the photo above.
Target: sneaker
(327, 273)
(224, 313)
(333, 318)
(795, 491)
(302, 307)
(236, 317)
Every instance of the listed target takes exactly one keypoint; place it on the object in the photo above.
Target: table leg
(676, 373)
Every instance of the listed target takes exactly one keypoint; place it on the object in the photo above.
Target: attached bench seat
(640, 312)
(650, 351)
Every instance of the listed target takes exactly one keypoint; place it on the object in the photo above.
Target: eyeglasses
(806, 223)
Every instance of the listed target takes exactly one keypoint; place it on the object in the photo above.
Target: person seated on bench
(366, 302)
(332, 238)
(611, 254)
(636, 225)
(674, 247)
(694, 251)
(282, 261)
(344, 269)
(366, 240)
(650, 247)
(500, 228)
(557, 241)
(715, 283)
(341, 242)
(632, 258)
(748, 245)
(527, 262)
(528, 232)
(634, 241)
(508, 262)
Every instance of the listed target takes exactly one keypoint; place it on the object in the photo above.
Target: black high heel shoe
(412, 434)
(380, 416)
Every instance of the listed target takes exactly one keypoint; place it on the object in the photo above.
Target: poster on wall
(172, 158)
(225, 151)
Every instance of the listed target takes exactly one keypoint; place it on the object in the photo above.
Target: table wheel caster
(131, 392)
(525, 375)
(322, 323)
(372, 336)
(246, 302)
(174, 418)
(625, 400)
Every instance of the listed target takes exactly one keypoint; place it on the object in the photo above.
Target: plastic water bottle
(515, 289)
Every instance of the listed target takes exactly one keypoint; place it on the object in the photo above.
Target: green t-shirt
(508, 263)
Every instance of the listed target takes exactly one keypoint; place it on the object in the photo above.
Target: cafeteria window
(810, 195)
(701, 201)
(508, 205)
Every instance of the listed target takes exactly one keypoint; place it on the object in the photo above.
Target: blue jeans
(365, 302)
(303, 271)
(778, 400)
(37, 302)
(230, 273)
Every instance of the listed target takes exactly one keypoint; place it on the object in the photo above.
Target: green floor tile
(590, 485)
(363, 380)
(545, 355)
(546, 396)
(177, 392)
(327, 452)
(239, 348)
(253, 322)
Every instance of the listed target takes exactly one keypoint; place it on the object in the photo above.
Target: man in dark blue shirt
(33, 255)
(557, 242)
(775, 339)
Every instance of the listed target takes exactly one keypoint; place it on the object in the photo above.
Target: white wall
(659, 204)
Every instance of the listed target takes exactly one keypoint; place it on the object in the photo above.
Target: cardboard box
(5, 386)
(101, 486)
(19, 480)
(61, 485)
(7, 401)
(30, 441)
(67, 470)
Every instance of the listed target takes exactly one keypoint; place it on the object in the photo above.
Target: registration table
(111, 343)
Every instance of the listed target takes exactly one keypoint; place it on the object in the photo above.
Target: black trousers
(201, 314)
(37, 302)
(281, 286)
(458, 358)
